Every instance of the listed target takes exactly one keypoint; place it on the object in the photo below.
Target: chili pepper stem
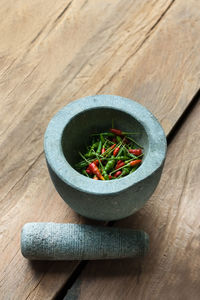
(83, 157)
(134, 142)
(83, 161)
(117, 145)
(103, 133)
(109, 141)
(127, 133)
(87, 174)
(120, 168)
(108, 151)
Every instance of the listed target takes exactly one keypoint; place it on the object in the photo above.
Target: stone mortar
(68, 133)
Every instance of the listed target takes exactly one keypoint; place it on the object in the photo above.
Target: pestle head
(53, 241)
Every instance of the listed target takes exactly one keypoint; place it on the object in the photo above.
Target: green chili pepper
(110, 164)
(99, 147)
(102, 139)
(95, 145)
(121, 158)
(104, 173)
(125, 172)
(91, 153)
(120, 152)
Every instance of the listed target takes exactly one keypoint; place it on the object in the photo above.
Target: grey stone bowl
(68, 133)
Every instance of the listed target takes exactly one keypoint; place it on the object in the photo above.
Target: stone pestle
(53, 241)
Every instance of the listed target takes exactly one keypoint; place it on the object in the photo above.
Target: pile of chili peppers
(111, 155)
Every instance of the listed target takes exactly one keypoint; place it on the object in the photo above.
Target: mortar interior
(76, 134)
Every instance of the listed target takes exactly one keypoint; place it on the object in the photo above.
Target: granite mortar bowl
(68, 133)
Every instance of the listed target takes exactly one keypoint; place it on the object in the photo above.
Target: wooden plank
(160, 69)
(39, 82)
(71, 49)
(171, 270)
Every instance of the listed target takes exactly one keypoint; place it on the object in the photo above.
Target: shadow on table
(146, 220)
(53, 268)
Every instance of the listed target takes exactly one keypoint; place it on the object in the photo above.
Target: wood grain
(171, 270)
(59, 51)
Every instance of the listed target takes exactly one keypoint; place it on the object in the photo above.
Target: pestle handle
(53, 241)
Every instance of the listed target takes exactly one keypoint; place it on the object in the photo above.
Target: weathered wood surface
(171, 270)
(54, 52)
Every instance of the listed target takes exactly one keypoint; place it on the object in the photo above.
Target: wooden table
(52, 52)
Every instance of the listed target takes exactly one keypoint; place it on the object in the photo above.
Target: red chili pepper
(135, 151)
(119, 165)
(116, 131)
(95, 177)
(116, 165)
(117, 173)
(120, 132)
(88, 170)
(135, 162)
(96, 162)
(110, 176)
(103, 150)
(115, 152)
(113, 146)
(119, 162)
(96, 171)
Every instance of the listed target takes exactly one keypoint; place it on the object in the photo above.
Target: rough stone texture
(53, 241)
(68, 131)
